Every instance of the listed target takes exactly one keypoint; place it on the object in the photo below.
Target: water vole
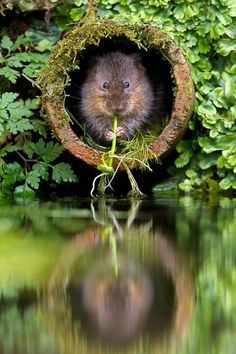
(116, 83)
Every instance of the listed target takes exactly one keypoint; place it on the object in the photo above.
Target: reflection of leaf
(24, 191)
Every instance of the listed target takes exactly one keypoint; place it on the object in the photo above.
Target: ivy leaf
(62, 172)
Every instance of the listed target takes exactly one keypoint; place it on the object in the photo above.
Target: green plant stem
(112, 240)
(113, 145)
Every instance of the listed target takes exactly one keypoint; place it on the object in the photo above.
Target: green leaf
(62, 172)
(183, 159)
(7, 98)
(191, 174)
(206, 108)
(21, 40)
(41, 169)
(226, 46)
(228, 182)
(203, 46)
(8, 148)
(229, 84)
(6, 43)
(20, 125)
(32, 103)
(208, 161)
(33, 179)
(77, 13)
(14, 62)
(44, 44)
(10, 74)
(12, 172)
(186, 185)
(48, 152)
(222, 142)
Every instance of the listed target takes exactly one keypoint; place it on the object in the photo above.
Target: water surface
(118, 276)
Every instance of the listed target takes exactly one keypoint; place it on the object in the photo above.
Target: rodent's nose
(120, 108)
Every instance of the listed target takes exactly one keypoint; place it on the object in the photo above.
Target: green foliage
(15, 63)
(214, 317)
(206, 31)
(26, 158)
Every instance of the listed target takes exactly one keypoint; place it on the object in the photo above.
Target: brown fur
(132, 105)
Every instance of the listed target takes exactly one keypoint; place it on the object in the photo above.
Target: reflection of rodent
(116, 83)
(118, 308)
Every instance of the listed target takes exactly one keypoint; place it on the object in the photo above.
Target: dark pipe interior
(158, 68)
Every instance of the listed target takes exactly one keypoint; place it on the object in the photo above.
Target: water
(118, 276)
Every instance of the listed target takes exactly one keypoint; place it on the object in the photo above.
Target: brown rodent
(116, 83)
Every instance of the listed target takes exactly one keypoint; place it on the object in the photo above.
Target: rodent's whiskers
(73, 84)
(136, 86)
(74, 97)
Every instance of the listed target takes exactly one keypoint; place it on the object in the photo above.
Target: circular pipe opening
(164, 61)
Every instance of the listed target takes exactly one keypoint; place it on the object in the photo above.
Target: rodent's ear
(137, 58)
(92, 61)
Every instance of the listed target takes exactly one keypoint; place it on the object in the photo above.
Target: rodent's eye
(126, 84)
(105, 85)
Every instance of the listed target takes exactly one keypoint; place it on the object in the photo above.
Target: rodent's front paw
(120, 132)
(109, 135)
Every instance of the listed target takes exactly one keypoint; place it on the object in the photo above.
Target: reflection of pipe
(172, 262)
(77, 246)
(177, 267)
